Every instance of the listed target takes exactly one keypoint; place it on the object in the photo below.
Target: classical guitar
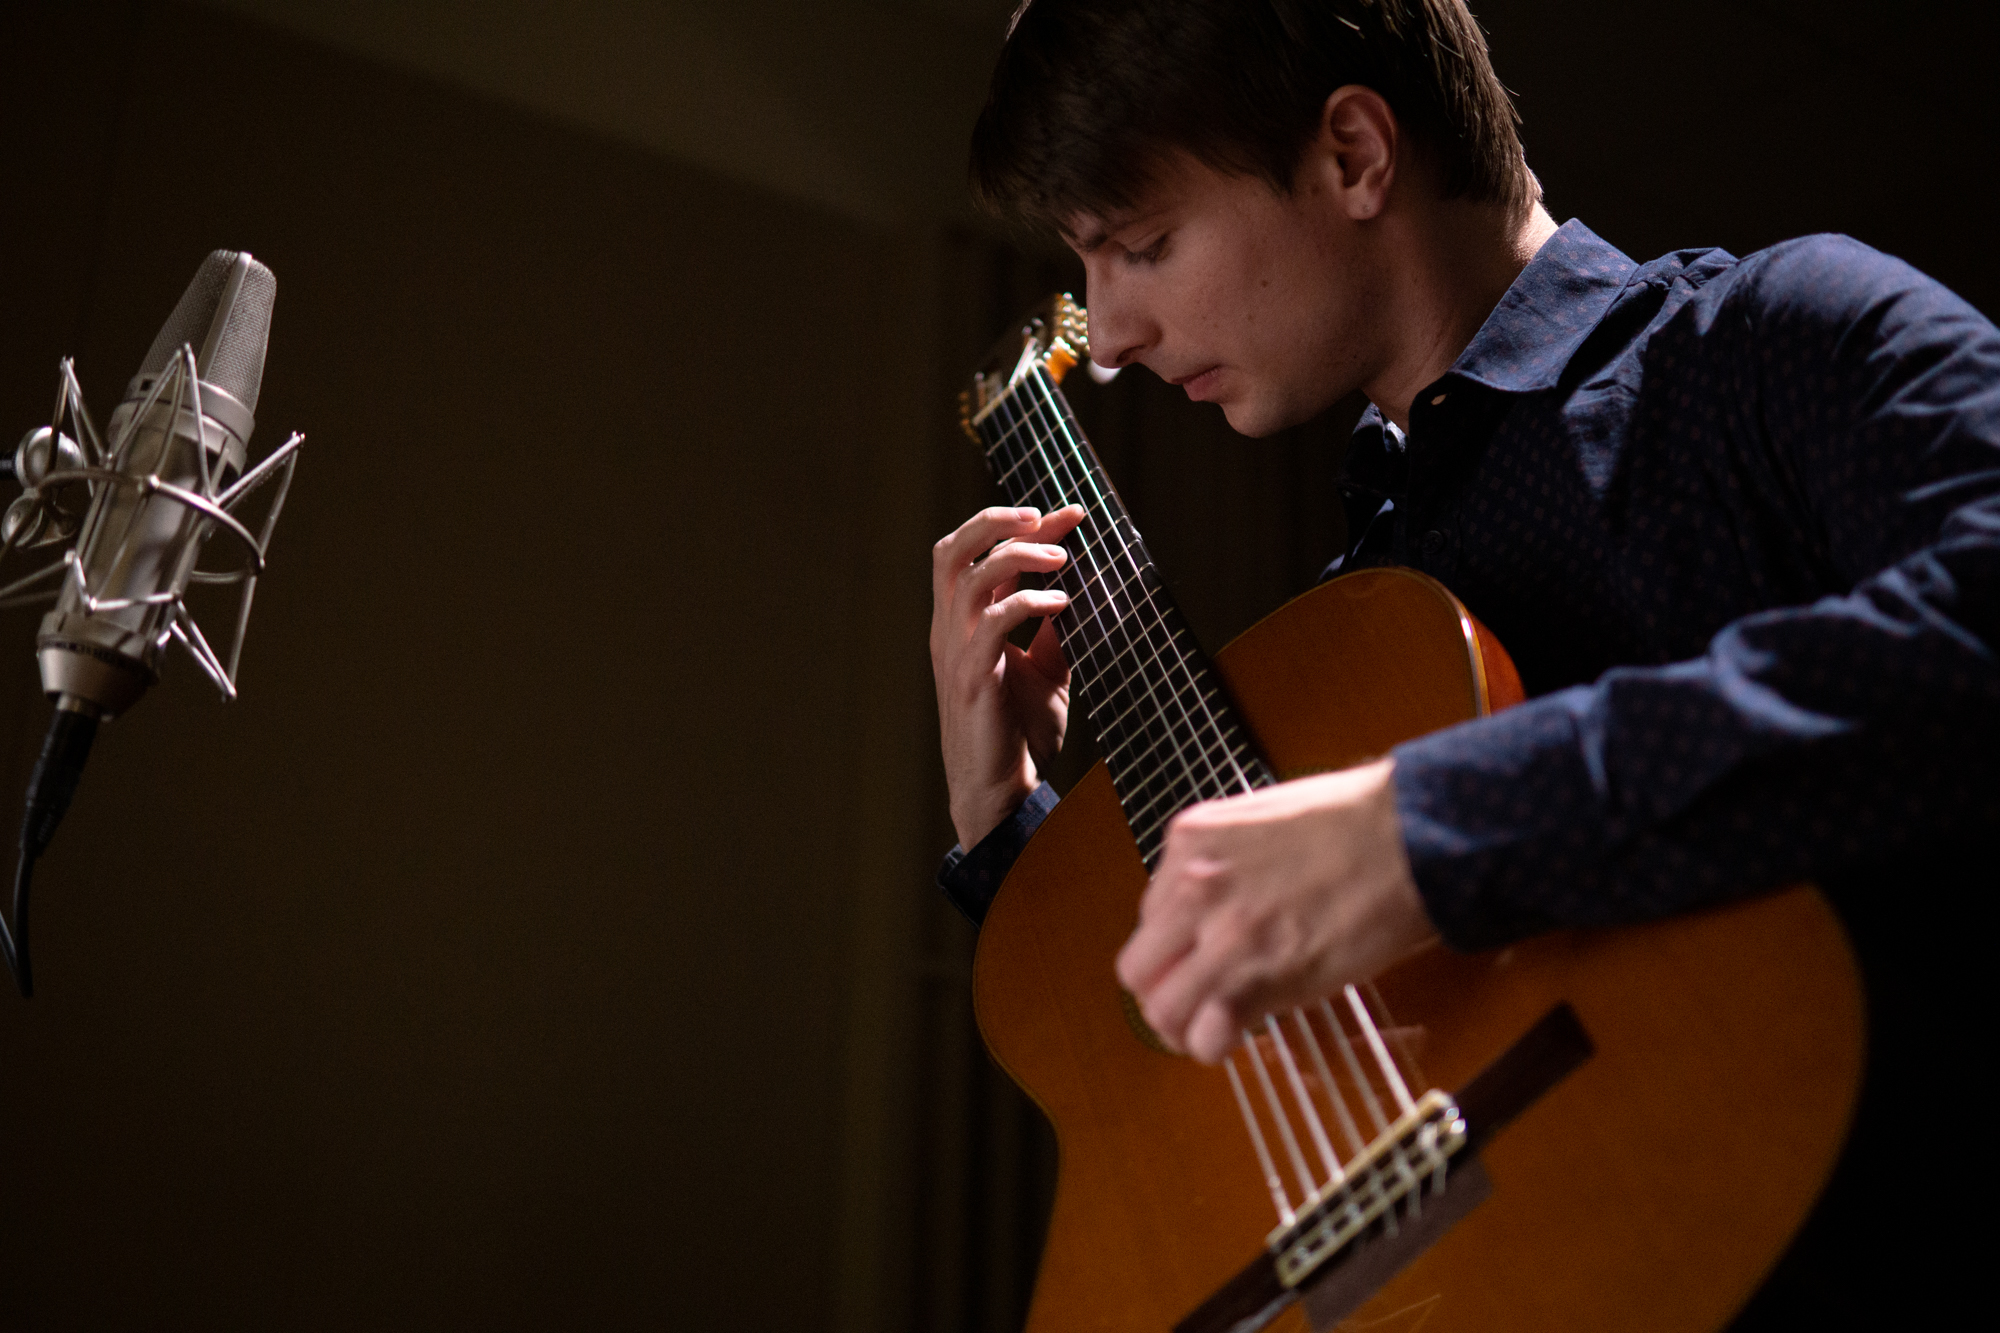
(1596, 1130)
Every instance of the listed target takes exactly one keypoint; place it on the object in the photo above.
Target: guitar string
(1341, 1114)
(1083, 609)
(1278, 1116)
(1190, 665)
(1043, 405)
(1314, 1129)
(1347, 1055)
(1076, 475)
(1052, 410)
(1397, 1037)
(1090, 565)
(1271, 1180)
(1108, 684)
(1081, 469)
(1072, 464)
(1379, 1051)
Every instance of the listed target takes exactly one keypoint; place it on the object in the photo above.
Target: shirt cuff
(970, 879)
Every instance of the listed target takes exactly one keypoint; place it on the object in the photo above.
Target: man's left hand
(1268, 900)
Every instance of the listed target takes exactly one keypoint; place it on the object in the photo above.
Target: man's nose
(1117, 332)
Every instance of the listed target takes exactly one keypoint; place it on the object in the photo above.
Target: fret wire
(1133, 645)
(1123, 753)
(1154, 800)
(1072, 455)
(1150, 818)
(1006, 405)
(1202, 684)
(1134, 752)
(1128, 652)
(1133, 759)
(1087, 562)
(1110, 593)
(1108, 751)
(1163, 787)
(1151, 805)
(1181, 659)
(1135, 686)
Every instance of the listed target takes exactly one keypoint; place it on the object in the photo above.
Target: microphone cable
(51, 788)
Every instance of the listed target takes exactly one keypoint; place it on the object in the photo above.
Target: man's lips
(1200, 384)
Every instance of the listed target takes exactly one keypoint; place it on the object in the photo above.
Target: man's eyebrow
(1089, 235)
(1098, 230)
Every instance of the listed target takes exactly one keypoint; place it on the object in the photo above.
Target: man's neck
(1460, 260)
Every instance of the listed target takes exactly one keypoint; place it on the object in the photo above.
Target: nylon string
(1170, 739)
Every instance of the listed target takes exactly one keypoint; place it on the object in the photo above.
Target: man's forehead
(1169, 182)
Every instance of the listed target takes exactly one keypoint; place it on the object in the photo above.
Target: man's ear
(1352, 158)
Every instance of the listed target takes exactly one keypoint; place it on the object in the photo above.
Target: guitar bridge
(1313, 1255)
(1392, 1173)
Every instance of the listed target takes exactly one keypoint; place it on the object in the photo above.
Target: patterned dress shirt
(1738, 523)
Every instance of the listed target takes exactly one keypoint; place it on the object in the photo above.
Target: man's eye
(1149, 255)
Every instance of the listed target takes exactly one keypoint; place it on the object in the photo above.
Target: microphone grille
(229, 330)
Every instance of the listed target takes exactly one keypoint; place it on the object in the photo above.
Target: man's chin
(1254, 419)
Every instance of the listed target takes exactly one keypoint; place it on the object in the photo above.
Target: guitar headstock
(1054, 335)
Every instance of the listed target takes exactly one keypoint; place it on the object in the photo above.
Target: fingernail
(1028, 511)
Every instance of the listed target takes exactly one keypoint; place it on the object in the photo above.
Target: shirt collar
(1559, 298)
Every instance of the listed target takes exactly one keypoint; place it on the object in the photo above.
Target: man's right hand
(1002, 710)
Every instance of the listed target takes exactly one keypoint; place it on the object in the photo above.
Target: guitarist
(1737, 520)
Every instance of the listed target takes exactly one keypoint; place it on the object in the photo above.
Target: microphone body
(100, 647)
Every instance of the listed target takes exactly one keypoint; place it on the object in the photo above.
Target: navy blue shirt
(1738, 522)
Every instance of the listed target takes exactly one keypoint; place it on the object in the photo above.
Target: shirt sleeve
(1807, 740)
(970, 879)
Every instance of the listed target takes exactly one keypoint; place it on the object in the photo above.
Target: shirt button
(1433, 544)
(1438, 401)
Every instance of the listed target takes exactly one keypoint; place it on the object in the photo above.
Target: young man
(1738, 521)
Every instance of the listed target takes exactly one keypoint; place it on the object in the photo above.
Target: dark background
(546, 936)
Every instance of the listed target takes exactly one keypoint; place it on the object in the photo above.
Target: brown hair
(1089, 95)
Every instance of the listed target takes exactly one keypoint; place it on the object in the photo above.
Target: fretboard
(1167, 732)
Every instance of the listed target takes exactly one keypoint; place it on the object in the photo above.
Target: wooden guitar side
(1651, 1191)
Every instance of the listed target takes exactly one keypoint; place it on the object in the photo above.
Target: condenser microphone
(101, 646)
(160, 487)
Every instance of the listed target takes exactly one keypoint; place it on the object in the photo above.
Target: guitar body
(1650, 1190)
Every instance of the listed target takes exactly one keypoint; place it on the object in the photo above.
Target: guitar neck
(1167, 731)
